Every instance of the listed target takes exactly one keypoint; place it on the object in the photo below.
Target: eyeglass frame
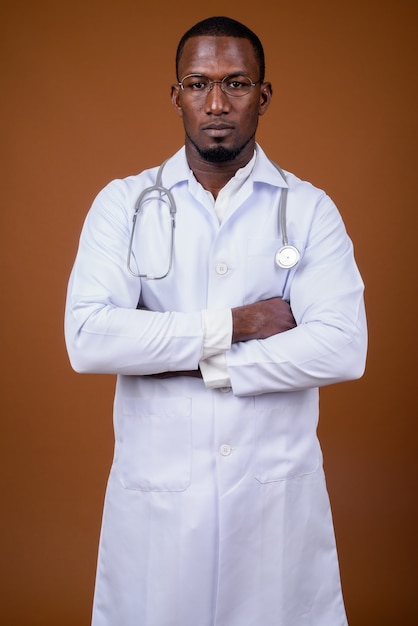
(220, 83)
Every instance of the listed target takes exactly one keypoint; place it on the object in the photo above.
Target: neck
(214, 176)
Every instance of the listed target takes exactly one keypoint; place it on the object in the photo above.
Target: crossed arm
(258, 320)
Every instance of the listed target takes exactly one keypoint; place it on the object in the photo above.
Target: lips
(219, 126)
(217, 130)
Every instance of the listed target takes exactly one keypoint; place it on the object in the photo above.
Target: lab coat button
(226, 449)
(221, 268)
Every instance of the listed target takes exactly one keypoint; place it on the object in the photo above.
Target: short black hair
(221, 26)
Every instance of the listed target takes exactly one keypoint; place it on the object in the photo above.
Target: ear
(266, 94)
(175, 99)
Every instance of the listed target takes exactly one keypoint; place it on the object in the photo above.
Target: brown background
(85, 98)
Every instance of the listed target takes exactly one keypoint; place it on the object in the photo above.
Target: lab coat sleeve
(104, 330)
(329, 343)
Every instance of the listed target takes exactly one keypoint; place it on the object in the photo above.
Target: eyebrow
(234, 73)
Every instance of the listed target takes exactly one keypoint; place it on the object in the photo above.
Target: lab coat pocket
(264, 278)
(286, 445)
(155, 446)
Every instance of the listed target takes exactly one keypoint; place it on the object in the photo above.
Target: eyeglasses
(236, 85)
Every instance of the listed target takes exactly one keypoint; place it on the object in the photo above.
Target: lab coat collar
(177, 170)
(265, 171)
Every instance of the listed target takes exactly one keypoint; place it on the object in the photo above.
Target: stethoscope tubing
(286, 257)
(138, 208)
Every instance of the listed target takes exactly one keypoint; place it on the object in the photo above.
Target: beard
(219, 154)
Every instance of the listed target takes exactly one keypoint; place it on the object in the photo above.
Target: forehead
(218, 56)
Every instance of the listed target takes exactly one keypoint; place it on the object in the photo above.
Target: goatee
(220, 154)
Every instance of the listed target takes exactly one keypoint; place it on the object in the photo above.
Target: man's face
(219, 126)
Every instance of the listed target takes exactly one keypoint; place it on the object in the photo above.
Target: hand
(261, 320)
(192, 373)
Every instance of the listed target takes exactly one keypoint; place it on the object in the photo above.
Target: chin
(218, 154)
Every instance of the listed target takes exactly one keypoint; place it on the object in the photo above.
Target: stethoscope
(286, 257)
(138, 208)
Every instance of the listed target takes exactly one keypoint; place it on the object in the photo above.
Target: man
(216, 510)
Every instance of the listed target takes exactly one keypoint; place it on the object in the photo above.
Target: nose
(216, 100)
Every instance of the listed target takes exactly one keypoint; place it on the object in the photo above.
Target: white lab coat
(216, 510)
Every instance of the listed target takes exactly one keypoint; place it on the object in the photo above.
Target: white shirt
(218, 324)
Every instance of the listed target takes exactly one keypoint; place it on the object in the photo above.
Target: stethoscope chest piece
(287, 257)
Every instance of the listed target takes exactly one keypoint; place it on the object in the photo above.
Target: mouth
(218, 130)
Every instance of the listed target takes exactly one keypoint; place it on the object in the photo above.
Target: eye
(198, 85)
(235, 84)
(195, 83)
